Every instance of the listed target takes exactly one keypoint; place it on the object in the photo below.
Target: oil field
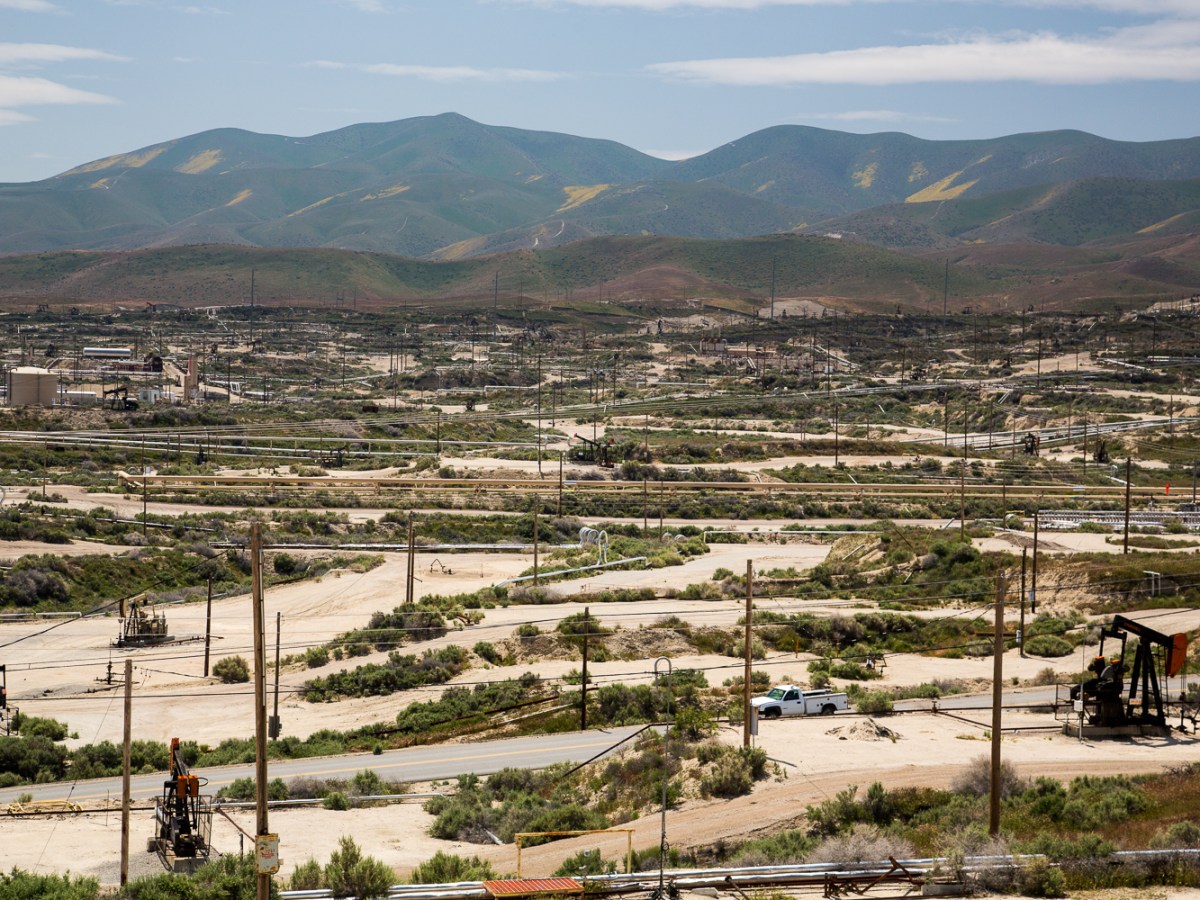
(736, 597)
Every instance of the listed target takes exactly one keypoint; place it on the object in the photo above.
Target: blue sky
(83, 79)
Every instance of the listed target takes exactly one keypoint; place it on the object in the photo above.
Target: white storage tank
(32, 386)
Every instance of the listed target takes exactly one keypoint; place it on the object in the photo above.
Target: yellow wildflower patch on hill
(579, 194)
(941, 190)
(461, 249)
(865, 177)
(388, 192)
(201, 162)
(305, 209)
(126, 160)
(102, 183)
(1157, 226)
(242, 195)
(918, 173)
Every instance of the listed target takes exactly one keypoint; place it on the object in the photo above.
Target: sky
(84, 79)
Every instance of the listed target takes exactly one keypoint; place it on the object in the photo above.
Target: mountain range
(448, 188)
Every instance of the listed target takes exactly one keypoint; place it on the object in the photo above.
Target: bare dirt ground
(812, 765)
(57, 675)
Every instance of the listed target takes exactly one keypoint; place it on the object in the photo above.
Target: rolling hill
(623, 270)
(445, 187)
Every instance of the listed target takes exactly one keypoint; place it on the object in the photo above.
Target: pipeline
(756, 876)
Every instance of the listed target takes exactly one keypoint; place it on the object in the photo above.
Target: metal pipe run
(607, 565)
(759, 876)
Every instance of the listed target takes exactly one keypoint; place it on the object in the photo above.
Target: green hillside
(1072, 214)
(616, 268)
(446, 187)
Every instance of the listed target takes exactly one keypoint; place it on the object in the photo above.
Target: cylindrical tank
(24, 384)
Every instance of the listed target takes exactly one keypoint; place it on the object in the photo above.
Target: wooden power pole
(1128, 486)
(408, 577)
(583, 683)
(208, 626)
(125, 762)
(997, 706)
(262, 881)
(746, 683)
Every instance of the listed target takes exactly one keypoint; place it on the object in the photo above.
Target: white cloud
(23, 91)
(49, 53)
(1152, 53)
(871, 115)
(443, 73)
(12, 117)
(202, 10)
(28, 5)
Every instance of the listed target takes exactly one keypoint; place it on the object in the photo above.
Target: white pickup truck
(789, 700)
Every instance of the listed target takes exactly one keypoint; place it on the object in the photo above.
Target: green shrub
(488, 652)
(875, 703)
(350, 874)
(35, 726)
(586, 862)
(19, 885)
(336, 800)
(1048, 645)
(447, 868)
(729, 777)
(734, 770)
(1040, 878)
(1180, 834)
(315, 657)
(307, 876)
(232, 670)
(694, 724)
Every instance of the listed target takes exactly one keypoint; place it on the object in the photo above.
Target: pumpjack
(1107, 707)
(598, 452)
(183, 818)
(141, 627)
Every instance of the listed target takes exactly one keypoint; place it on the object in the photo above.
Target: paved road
(1016, 699)
(410, 764)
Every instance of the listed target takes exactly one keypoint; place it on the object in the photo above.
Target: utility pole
(273, 729)
(144, 498)
(645, 521)
(1128, 472)
(584, 682)
(997, 705)
(408, 575)
(125, 762)
(962, 489)
(661, 505)
(560, 481)
(1033, 575)
(263, 881)
(536, 579)
(208, 626)
(746, 679)
(835, 434)
(1021, 630)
